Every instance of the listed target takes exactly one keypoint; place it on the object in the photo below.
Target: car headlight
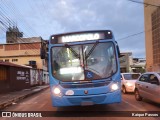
(114, 86)
(129, 84)
(56, 91)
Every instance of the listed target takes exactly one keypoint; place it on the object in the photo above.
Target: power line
(144, 3)
(23, 20)
(6, 26)
(12, 12)
(3, 29)
(130, 36)
(19, 16)
(5, 19)
(20, 40)
(8, 19)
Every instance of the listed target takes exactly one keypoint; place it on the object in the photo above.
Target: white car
(128, 81)
(148, 86)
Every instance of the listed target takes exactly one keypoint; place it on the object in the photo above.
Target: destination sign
(81, 36)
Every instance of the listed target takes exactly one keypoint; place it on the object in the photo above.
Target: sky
(46, 17)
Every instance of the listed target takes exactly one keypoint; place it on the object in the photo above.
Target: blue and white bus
(84, 68)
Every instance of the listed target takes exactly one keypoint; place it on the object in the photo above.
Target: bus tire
(137, 95)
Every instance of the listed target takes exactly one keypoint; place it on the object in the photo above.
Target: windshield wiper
(90, 52)
(73, 51)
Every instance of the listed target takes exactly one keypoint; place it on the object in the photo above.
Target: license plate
(86, 103)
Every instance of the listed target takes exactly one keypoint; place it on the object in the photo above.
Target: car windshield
(131, 76)
(82, 62)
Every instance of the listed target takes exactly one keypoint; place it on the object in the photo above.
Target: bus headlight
(56, 91)
(114, 86)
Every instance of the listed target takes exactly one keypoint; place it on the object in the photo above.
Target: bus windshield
(84, 62)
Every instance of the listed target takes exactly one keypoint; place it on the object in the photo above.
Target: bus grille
(85, 85)
(94, 99)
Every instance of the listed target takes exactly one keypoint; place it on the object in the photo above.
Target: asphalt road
(42, 102)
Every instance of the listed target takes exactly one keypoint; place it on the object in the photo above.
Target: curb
(9, 102)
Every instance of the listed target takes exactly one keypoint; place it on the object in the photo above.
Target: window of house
(14, 60)
(6, 60)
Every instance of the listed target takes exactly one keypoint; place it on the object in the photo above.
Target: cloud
(58, 16)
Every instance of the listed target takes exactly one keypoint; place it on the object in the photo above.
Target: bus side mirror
(118, 51)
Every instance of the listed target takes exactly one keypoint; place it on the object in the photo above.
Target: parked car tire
(124, 90)
(137, 95)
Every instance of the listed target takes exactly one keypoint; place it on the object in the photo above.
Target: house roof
(12, 65)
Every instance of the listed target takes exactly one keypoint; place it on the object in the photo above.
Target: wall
(16, 78)
(148, 10)
(21, 53)
(126, 62)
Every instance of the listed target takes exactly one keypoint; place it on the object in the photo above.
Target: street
(42, 102)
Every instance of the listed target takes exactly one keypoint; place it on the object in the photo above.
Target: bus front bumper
(108, 98)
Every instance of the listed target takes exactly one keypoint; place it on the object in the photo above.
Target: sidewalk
(12, 97)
